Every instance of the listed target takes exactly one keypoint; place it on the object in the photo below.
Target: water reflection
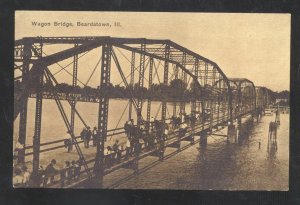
(245, 132)
(255, 162)
(272, 145)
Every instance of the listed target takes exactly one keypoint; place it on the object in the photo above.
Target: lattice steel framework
(245, 97)
(212, 89)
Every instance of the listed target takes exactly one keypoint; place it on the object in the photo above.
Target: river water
(53, 127)
(222, 166)
(219, 166)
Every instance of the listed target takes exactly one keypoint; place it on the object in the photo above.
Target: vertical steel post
(141, 84)
(131, 82)
(166, 72)
(215, 98)
(103, 112)
(23, 112)
(205, 73)
(149, 87)
(206, 77)
(255, 98)
(184, 78)
(194, 105)
(240, 97)
(185, 83)
(37, 126)
(74, 84)
(139, 105)
(176, 69)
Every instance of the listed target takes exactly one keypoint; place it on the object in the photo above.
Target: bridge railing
(58, 144)
(172, 137)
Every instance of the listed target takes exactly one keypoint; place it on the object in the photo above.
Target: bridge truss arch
(146, 70)
(263, 99)
(245, 98)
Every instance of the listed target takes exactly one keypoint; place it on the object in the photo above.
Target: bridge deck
(172, 139)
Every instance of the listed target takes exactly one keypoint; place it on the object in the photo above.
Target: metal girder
(107, 42)
(239, 82)
(166, 72)
(23, 103)
(103, 113)
(37, 128)
(74, 84)
(87, 39)
(160, 58)
(49, 76)
(135, 104)
(59, 56)
(149, 87)
(121, 41)
(112, 40)
(175, 103)
(42, 63)
(184, 79)
(194, 105)
(132, 68)
(141, 84)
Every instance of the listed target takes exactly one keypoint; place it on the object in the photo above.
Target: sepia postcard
(151, 100)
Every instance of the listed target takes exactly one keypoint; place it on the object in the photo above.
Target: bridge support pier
(203, 140)
(277, 118)
(257, 114)
(232, 134)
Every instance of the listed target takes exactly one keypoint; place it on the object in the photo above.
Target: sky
(252, 46)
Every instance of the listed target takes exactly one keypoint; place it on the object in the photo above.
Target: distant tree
(177, 88)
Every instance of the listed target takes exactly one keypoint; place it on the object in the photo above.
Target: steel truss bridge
(139, 62)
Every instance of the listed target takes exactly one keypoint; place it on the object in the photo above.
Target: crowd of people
(71, 172)
(86, 136)
(148, 136)
(21, 176)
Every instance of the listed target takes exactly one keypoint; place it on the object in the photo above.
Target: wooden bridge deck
(172, 139)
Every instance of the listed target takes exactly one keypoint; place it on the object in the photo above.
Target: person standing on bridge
(68, 142)
(88, 136)
(76, 170)
(117, 151)
(95, 132)
(193, 120)
(19, 149)
(127, 127)
(26, 175)
(128, 148)
(108, 156)
(173, 120)
(182, 129)
(18, 179)
(187, 119)
(69, 171)
(50, 172)
(165, 134)
(178, 122)
(83, 136)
